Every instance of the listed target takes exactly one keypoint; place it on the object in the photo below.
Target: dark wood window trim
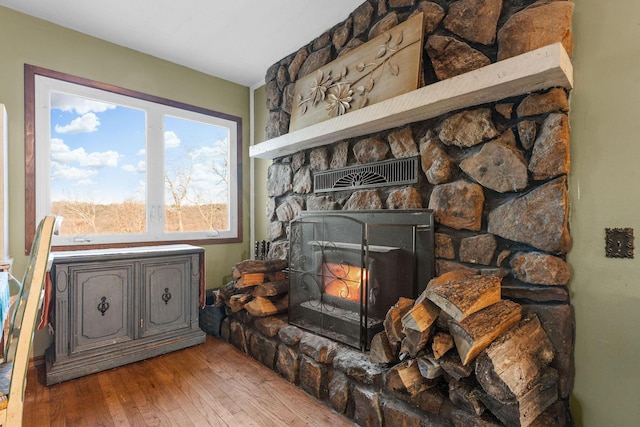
(30, 73)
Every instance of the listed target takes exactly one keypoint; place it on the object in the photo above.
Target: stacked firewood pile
(461, 332)
(260, 287)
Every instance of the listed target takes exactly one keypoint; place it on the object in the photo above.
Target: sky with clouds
(98, 153)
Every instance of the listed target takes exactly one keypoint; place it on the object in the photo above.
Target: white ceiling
(236, 40)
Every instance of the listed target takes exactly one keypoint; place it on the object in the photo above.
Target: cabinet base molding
(92, 363)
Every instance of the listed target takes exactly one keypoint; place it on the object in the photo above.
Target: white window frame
(156, 110)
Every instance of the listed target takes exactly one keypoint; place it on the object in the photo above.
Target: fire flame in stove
(343, 280)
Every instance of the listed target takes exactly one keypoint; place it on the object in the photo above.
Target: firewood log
(452, 365)
(421, 316)
(405, 377)
(463, 297)
(514, 361)
(429, 367)
(275, 276)
(259, 266)
(227, 290)
(261, 307)
(238, 301)
(476, 332)
(524, 410)
(271, 289)
(449, 277)
(442, 342)
(465, 394)
(381, 351)
(393, 320)
(249, 279)
(413, 342)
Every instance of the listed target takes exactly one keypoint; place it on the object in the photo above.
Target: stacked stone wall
(495, 175)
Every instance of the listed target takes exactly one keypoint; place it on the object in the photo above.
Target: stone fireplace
(493, 170)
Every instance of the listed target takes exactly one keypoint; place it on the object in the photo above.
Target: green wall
(605, 128)
(33, 41)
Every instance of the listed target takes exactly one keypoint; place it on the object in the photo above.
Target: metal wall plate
(619, 242)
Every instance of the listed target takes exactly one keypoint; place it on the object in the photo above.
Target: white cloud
(60, 152)
(141, 167)
(171, 140)
(67, 102)
(83, 124)
(142, 152)
(66, 172)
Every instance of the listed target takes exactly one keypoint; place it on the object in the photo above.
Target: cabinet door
(166, 294)
(102, 310)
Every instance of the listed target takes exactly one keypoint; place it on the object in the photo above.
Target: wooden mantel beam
(539, 69)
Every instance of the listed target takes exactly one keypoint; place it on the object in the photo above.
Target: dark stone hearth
(320, 349)
(270, 326)
(368, 411)
(496, 177)
(290, 335)
(339, 392)
(263, 350)
(313, 378)
(288, 363)
(398, 414)
(356, 364)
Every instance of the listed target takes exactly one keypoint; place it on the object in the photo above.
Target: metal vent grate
(379, 174)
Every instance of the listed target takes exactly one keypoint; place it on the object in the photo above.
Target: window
(127, 168)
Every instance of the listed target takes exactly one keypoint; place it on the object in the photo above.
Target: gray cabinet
(117, 306)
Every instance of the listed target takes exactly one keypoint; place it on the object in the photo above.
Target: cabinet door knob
(103, 306)
(166, 296)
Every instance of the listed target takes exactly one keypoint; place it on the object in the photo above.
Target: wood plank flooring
(212, 384)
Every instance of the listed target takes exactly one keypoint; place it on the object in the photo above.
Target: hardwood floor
(212, 384)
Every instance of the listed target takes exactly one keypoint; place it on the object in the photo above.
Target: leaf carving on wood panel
(336, 92)
(394, 69)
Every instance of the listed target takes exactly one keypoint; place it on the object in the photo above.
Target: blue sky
(98, 152)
